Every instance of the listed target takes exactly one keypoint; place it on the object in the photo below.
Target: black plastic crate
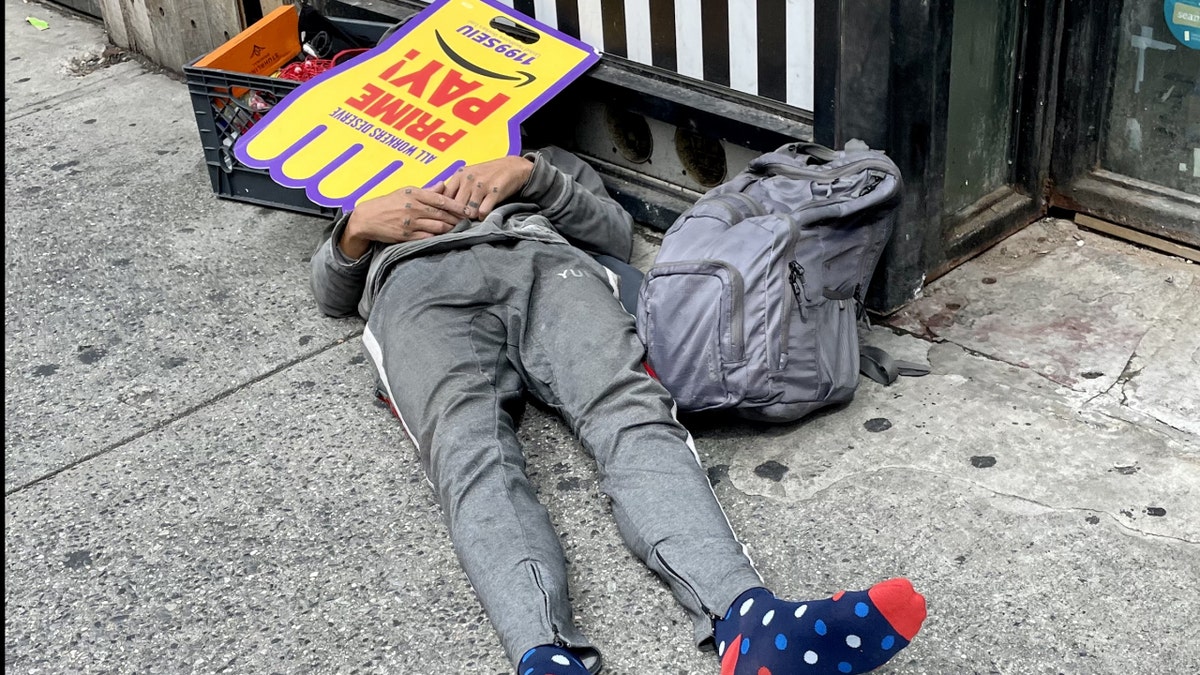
(228, 103)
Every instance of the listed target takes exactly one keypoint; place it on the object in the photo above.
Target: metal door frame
(1090, 42)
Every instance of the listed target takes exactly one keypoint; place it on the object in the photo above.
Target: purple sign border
(275, 165)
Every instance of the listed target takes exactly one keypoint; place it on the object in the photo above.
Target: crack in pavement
(999, 493)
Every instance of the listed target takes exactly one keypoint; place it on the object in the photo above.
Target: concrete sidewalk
(197, 479)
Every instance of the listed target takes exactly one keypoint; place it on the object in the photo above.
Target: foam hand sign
(449, 88)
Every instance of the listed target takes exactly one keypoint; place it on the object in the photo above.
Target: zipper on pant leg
(537, 580)
(683, 583)
(587, 654)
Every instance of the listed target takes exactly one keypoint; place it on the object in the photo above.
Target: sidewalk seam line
(161, 424)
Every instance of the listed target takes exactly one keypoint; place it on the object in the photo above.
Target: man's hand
(481, 187)
(408, 214)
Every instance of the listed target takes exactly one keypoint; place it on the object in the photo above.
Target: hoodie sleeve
(337, 281)
(573, 199)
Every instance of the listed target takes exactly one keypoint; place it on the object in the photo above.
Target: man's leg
(583, 357)
(442, 351)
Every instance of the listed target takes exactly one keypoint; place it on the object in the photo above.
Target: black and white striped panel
(760, 47)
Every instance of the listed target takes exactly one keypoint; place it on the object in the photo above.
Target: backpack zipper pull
(796, 281)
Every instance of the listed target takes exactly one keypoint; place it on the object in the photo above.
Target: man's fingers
(489, 201)
(477, 195)
(439, 206)
(462, 193)
(422, 228)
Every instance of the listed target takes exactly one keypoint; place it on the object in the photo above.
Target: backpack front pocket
(690, 318)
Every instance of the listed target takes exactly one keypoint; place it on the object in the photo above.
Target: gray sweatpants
(458, 339)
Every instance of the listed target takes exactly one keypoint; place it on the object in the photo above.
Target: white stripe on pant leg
(546, 11)
(376, 354)
(689, 39)
(801, 63)
(637, 31)
(743, 46)
(691, 443)
(614, 282)
(591, 23)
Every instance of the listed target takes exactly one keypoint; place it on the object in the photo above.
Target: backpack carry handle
(821, 153)
(815, 150)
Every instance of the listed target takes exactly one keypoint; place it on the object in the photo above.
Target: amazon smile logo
(506, 41)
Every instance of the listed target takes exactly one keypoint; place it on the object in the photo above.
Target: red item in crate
(302, 71)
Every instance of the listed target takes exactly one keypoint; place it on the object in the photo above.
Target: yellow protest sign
(449, 88)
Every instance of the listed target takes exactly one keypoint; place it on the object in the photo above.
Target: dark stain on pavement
(771, 470)
(718, 473)
(89, 354)
(77, 560)
(46, 370)
(568, 484)
(64, 165)
(940, 320)
(877, 424)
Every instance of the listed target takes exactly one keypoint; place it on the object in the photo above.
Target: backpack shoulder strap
(879, 365)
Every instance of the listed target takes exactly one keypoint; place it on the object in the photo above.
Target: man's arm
(340, 265)
(569, 191)
(408, 214)
(574, 199)
(336, 279)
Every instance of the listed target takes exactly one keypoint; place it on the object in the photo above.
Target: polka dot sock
(550, 660)
(848, 633)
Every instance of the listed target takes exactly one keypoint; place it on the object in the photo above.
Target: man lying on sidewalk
(481, 290)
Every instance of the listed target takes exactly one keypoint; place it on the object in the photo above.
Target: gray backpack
(754, 300)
